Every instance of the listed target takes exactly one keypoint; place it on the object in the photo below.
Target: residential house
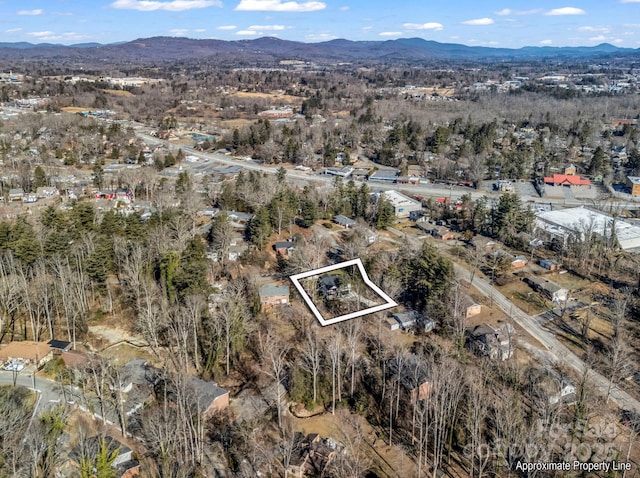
(284, 248)
(550, 289)
(633, 183)
(483, 243)
(272, 295)
(418, 216)
(75, 359)
(124, 464)
(239, 219)
(16, 194)
(38, 353)
(550, 264)
(333, 286)
(312, 455)
(551, 386)
(209, 397)
(441, 232)
(518, 261)
(471, 308)
(392, 323)
(344, 221)
(495, 343)
(413, 318)
(570, 170)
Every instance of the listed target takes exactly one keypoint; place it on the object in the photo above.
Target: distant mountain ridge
(270, 49)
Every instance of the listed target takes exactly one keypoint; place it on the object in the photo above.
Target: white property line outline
(341, 265)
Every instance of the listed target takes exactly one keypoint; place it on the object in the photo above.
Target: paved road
(49, 392)
(213, 160)
(554, 348)
(558, 350)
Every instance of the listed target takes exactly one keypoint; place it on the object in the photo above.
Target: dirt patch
(268, 96)
(390, 461)
(235, 123)
(123, 353)
(75, 109)
(108, 335)
(119, 93)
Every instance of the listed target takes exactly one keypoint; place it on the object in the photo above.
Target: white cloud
(52, 36)
(37, 11)
(13, 30)
(279, 6)
(226, 27)
(367, 28)
(178, 32)
(565, 11)
(247, 32)
(618, 41)
(504, 12)
(321, 37)
(267, 27)
(629, 1)
(172, 6)
(631, 25)
(598, 38)
(424, 26)
(200, 30)
(546, 42)
(588, 28)
(389, 34)
(41, 34)
(479, 21)
(343, 9)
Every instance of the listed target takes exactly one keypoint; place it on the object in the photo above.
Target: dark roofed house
(284, 248)
(59, 345)
(413, 318)
(550, 289)
(486, 341)
(209, 396)
(333, 286)
(344, 221)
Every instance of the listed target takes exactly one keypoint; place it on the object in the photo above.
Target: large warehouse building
(565, 223)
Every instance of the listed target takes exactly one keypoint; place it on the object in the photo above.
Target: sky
(496, 23)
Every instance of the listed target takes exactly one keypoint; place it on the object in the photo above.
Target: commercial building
(564, 224)
(402, 205)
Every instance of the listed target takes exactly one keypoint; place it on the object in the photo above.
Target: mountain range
(269, 49)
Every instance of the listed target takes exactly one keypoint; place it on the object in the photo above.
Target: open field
(119, 93)
(76, 109)
(268, 96)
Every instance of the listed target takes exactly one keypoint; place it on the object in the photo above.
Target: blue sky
(504, 23)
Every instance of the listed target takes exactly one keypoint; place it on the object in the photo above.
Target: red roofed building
(567, 180)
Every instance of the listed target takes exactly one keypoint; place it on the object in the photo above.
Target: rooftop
(272, 290)
(634, 179)
(563, 222)
(27, 349)
(398, 200)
